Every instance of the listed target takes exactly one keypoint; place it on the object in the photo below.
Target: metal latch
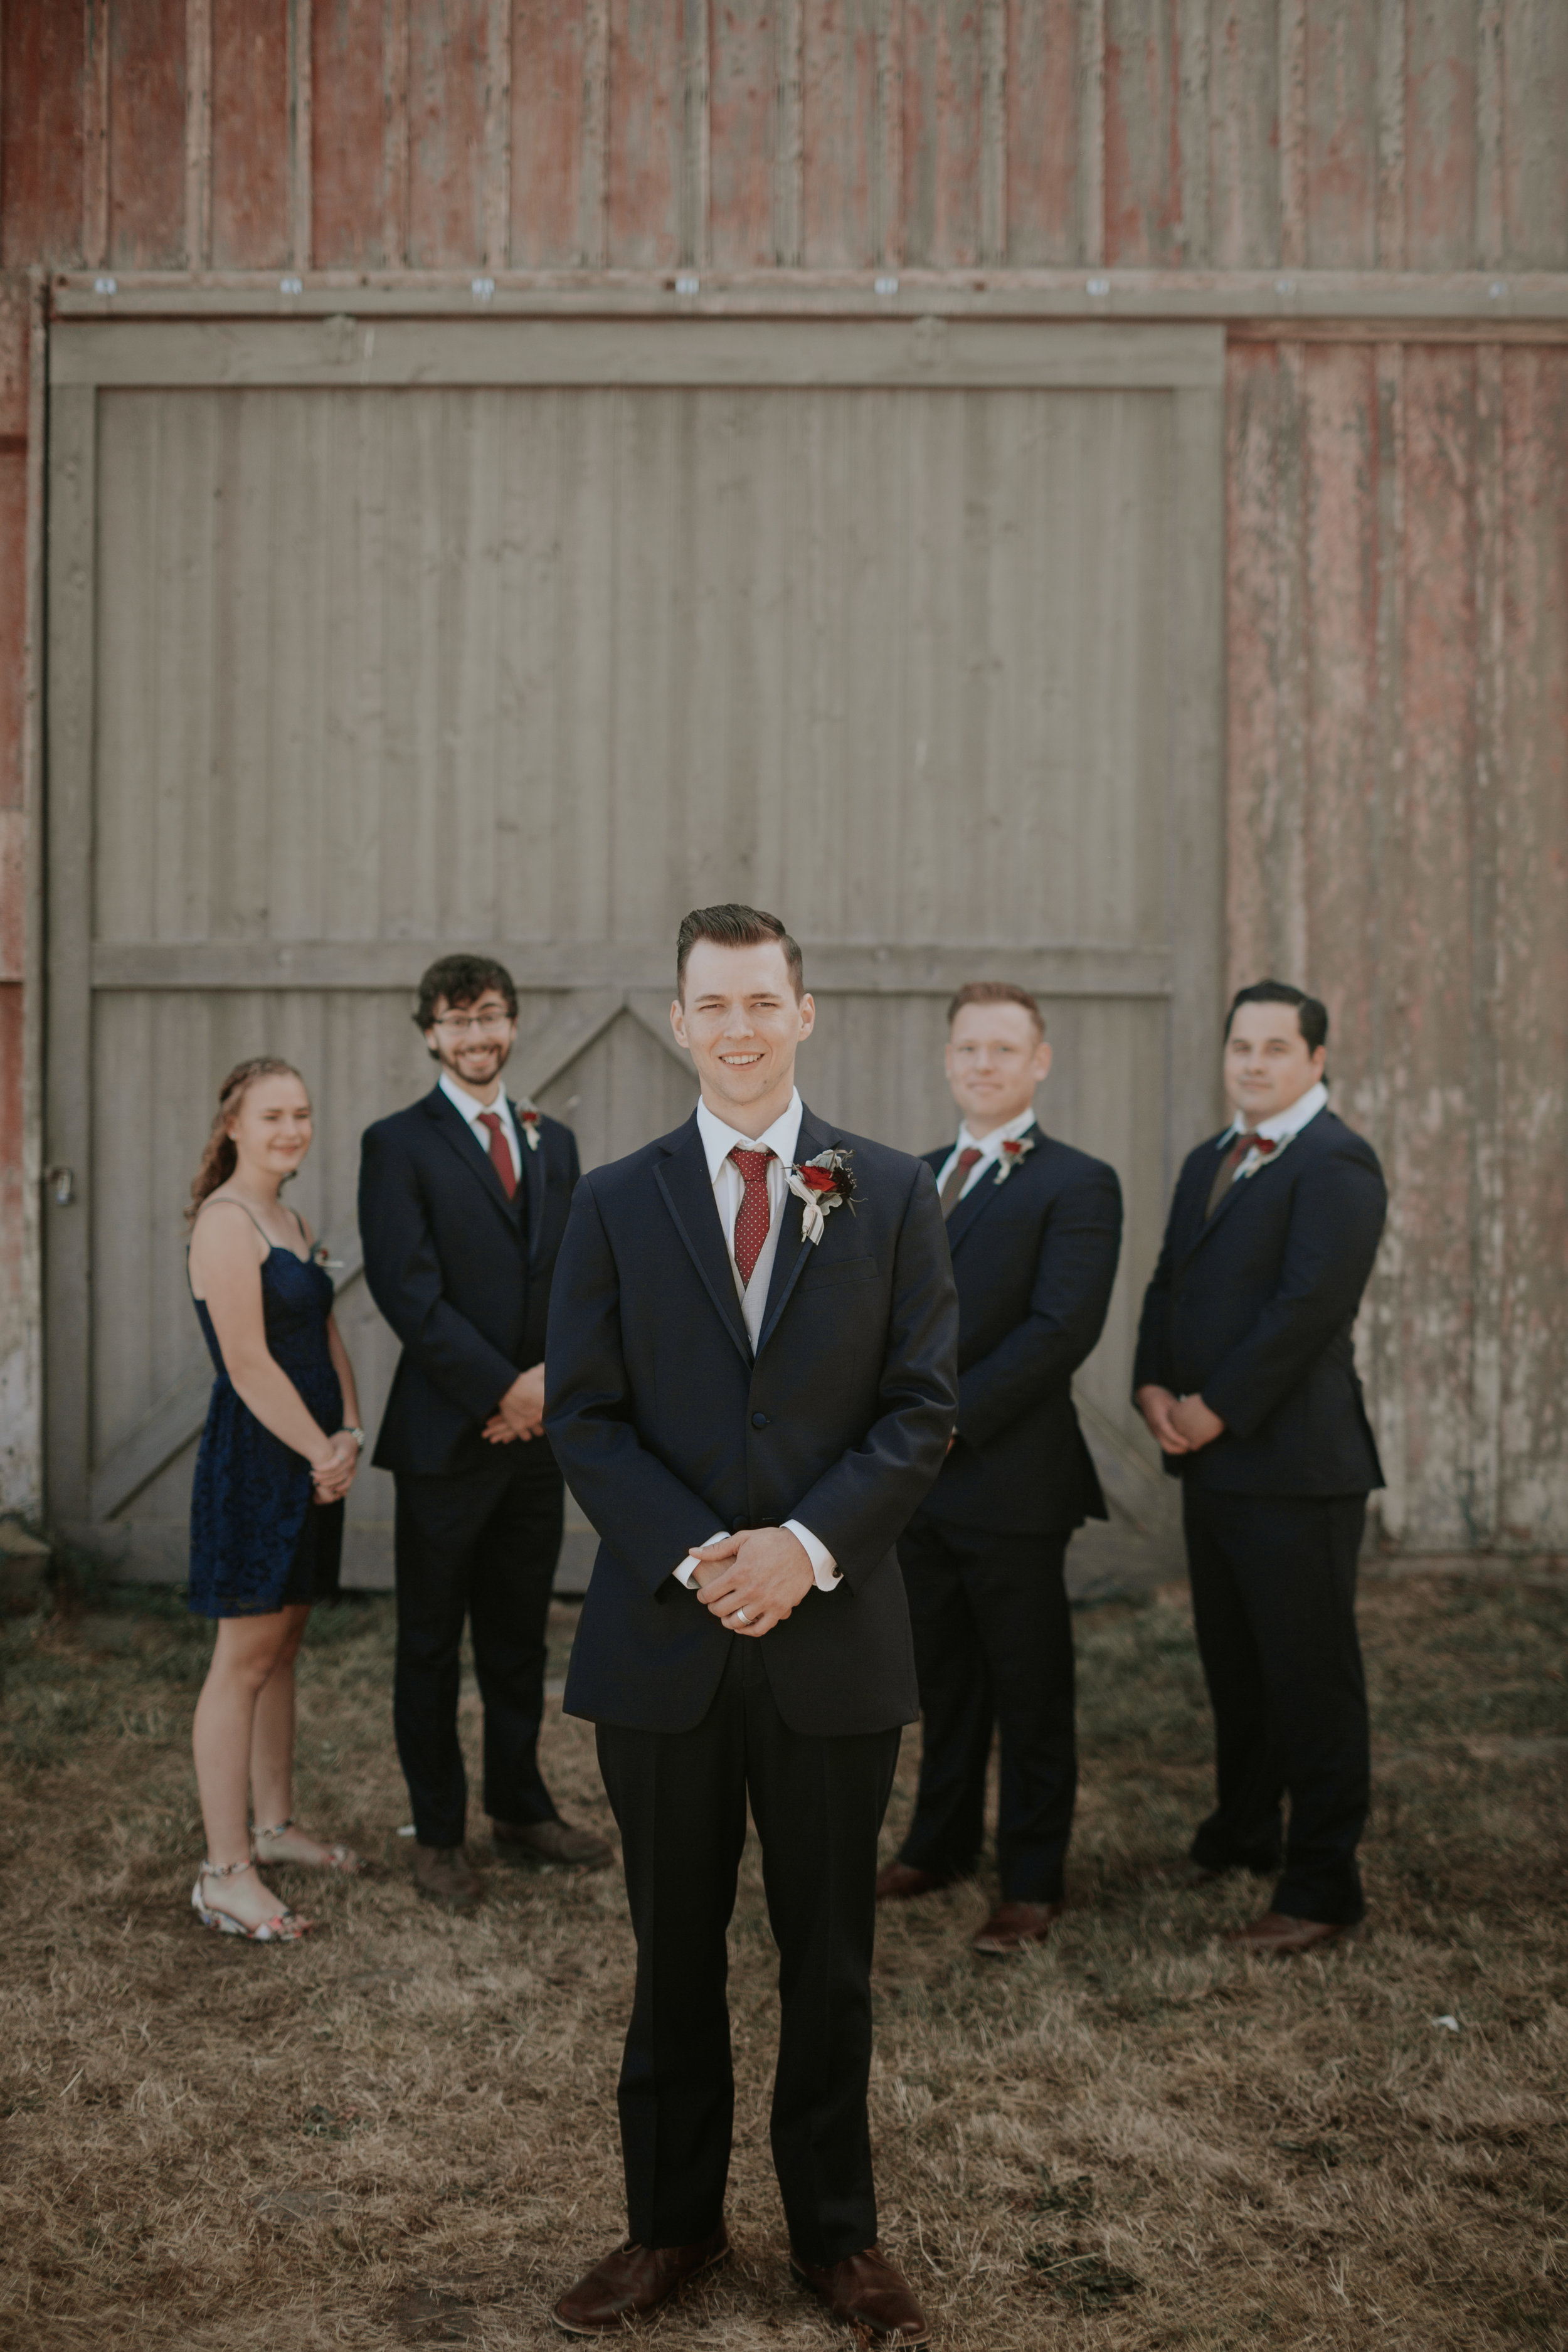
(61, 1182)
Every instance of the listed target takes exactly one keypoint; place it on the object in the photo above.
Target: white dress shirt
(729, 1191)
(989, 1147)
(474, 1110)
(1284, 1123)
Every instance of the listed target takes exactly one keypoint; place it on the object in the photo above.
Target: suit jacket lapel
(687, 1190)
(793, 1249)
(976, 1202)
(454, 1129)
(1227, 1202)
(532, 1183)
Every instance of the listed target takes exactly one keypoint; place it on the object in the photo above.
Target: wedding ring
(741, 1618)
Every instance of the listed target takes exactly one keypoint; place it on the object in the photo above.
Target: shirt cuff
(826, 1575)
(687, 1568)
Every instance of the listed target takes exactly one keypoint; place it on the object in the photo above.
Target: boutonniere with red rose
(1014, 1148)
(821, 1185)
(530, 1117)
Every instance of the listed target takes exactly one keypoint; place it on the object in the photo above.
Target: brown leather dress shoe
(1013, 1925)
(445, 1874)
(897, 1882)
(867, 2291)
(1277, 1936)
(634, 2280)
(558, 1842)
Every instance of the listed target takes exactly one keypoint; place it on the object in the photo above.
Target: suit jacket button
(759, 1421)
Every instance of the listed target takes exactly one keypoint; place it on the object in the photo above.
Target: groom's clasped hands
(752, 1580)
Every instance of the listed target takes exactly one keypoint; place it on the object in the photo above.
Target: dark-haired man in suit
(1034, 1229)
(750, 1382)
(1246, 1375)
(462, 1203)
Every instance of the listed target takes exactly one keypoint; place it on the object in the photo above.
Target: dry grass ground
(403, 2131)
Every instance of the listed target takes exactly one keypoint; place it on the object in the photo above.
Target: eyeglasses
(463, 1024)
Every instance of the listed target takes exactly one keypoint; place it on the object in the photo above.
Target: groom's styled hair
(735, 926)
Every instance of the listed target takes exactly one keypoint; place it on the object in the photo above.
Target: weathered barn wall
(1373, 193)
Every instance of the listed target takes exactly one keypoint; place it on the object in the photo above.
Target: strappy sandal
(286, 1927)
(340, 1858)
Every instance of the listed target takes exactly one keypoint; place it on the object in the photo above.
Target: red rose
(821, 1179)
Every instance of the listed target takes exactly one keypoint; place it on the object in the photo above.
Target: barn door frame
(930, 352)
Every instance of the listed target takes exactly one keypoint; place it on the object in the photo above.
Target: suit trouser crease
(994, 1648)
(481, 1546)
(1273, 1583)
(679, 1798)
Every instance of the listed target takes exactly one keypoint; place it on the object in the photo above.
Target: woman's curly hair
(220, 1158)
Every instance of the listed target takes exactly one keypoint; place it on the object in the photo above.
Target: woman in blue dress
(278, 1456)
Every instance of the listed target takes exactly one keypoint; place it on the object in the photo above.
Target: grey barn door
(366, 644)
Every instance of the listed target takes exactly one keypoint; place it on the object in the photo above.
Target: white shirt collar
(718, 1140)
(472, 1110)
(987, 1145)
(1290, 1121)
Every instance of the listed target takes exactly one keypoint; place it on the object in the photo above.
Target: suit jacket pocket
(841, 1270)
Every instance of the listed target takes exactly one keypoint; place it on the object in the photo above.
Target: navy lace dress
(259, 1539)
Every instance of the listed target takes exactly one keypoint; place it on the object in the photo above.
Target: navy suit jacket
(667, 1430)
(1252, 1309)
(1034, 1259)
(461, 1273)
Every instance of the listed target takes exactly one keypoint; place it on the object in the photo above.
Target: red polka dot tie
(752, 1224)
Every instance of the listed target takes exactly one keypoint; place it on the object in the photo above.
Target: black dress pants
(1273, 1581)
(484, 1546)
(993, 1646)
(679, 1800)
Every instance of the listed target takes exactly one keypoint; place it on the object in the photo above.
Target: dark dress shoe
(634, 2280)
(1013, 1925)
(867, 2291)
(533, 1841)
(1277, 1936)
(897, 1880)
(445, 1874)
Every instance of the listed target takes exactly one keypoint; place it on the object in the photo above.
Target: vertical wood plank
(993, 131)
(41, 67)
(1535, 148)
(1292, 112)
(250, 206)
(449, 117)
(1252, 653)
(301, 144)
(647, 133)
(890, 144)
(1392, 70)
(398, 169)
(746, 113)
(1489, 134)
(1285, 852)
(1191, 165)
(1195, 822)
(549, 126)
(1143, 200)
(498, 136)
(942, 133)
(95, 134)
(1040, 205)
(146, 143)
(1441, 156)
(596, 228)
(1341, 101)
(1091, 132)
(844, 169)
(1245, 138)
(68, 1263)
(1488, 1204)
(696, 161)
(789, 136)
(349, 136)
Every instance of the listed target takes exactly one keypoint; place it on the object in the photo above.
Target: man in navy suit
(1246, 1375)
(751, 1385)
(462, 1203)
(1034, 1229)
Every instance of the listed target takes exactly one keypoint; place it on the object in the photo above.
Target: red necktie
(500, 1151)
(752, 1222)
(956, 1174)
(1225, 1174)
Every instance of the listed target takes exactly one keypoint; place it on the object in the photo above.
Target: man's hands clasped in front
(753, 1580)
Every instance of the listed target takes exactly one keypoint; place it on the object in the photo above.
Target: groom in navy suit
(462, 1204)
(1035, 1228)
(750, 1383)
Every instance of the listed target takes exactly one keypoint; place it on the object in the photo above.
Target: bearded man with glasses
(462, 1203)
